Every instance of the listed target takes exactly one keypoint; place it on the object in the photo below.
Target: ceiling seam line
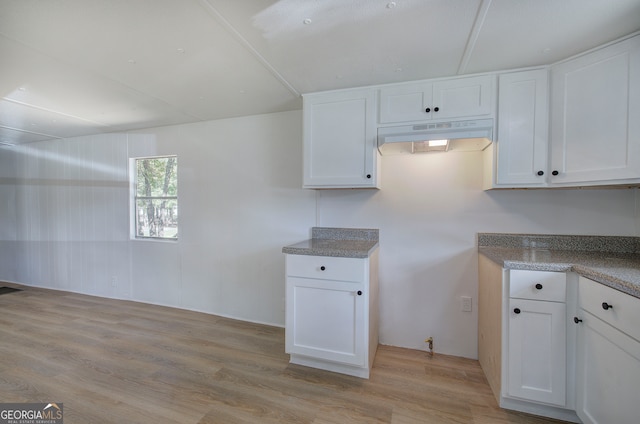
(55, 112)
(473, 36)
(28, 132)
(243, 41)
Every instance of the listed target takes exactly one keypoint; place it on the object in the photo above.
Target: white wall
(240, 201)
(429, 211)
(66, 223)
(7, 212)
(637, 233)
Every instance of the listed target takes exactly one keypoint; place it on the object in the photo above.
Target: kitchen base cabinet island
(332, 300)
(559, 325)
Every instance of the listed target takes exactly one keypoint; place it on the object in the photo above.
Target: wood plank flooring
(112, 361)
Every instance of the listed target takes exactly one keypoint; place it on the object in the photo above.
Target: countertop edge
(335, 252)
(607, 280)
(593, 273)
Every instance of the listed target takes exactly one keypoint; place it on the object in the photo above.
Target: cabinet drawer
(327, 268)
(538, 285)
(623, 310)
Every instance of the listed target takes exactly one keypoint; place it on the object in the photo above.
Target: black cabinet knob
(539, 286)
(322, 268)
(554, 172)
(516, 311)
(606, 306)
(369, 176)
(428, 110)
(435, 109)
(577, 320)
(541, 173)
(359, 292)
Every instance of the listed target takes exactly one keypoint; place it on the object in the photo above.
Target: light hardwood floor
(112, 361)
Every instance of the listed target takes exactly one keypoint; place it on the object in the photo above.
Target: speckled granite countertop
(337, 242)
(612, 261)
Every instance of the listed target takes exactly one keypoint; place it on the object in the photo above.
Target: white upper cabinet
(438, 99)
(464, 97)
(575, 125)
(587, 136)
(405, 103)
(521, 144)
(339, 133)
(595, 110)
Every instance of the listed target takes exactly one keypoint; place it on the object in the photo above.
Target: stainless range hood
(459, 135)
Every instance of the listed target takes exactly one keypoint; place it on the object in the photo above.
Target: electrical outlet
(466, 304)
(114, 281)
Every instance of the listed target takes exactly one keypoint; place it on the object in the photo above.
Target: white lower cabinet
(537, 351)
(327, 320)
(331, 312)
(536, 345)
(525, 357)
(567, 347)
(608, 360)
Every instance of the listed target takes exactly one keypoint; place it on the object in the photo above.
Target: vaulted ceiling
(78, 67)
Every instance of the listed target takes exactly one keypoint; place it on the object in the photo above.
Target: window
(156, 197)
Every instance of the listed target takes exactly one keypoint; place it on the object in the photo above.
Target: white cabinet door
(595, 105)
(608, 372)
(537, 351)
(522, 141)
(339, 132)
(404, 103)
(463, 97)
(457, 98)
(326, 320)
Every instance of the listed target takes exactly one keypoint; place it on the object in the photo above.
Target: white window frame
(133, 183)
